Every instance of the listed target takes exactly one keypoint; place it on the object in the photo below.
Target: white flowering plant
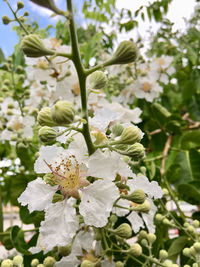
(97, 143)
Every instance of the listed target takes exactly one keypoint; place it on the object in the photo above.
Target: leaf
(176, 247)
(18, 240)
(189, 193)
(190, 139)
(28, 218)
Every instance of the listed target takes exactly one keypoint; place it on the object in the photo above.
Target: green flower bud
(135, 250)
(62, 113)
(165, 191)
(186, 265)
(137, 196)
(65, 251)
(125, 53)
(4, 89)
(44, 117)
(190, 228)
(158, 217)
(144, 243)
(9, 112)
(26, 14)
(119, 264)
(7, 263)
(57, 198)
(117, 129)
(166, 221)
(162, 110)
(19, 69)
(35, 263)
(97, 234)
(163, 254)
(40, 265)
(151, 238)
(47, 134)
(18, 260)
(186, 252)
(20, 5)
(49, 261)
(195, 223)
(186, 224)
(50, 5)
(145, 207)
(10, 105)
(124, 230)
(33, 46)
(167, 263)
(6, 20)
(130, 135)
(87, 263)
(175, 265)
(193, 251)
(196, 246)
(98, 80)
(142, 234)
(195, 265)
(136, 150)
(6, 82)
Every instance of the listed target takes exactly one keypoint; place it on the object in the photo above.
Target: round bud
(163, 254)
(98, 80)
(190, 228)
(166, 221)
(49, 261)
(35, 263)
(26, 14)
(117, 129)
(65, 251)
(195, 223)
(20, 5)
(40, 265)
(196, 246)
(7, 263)
(125, 53)
(158, 217)
(135, 250)
(18, 260)
(62, 113)
(130, 135)
(151, 238)
(145, 207)
(47, 134)
(167, 263)
(144, 243)
(44, 117)
(193, 251)
(142, 234)
(119, 264)
(4, 89)
(186, 265)
(195, 265)
(6, 20)
(10, 105)
(175, 265)
(186, 224)
(6, 82)
(165, 191)
(33, 46)
(186, 252)
(136, 151)
(137, 196)
(19, 69)
(124, 230)
(87, 263)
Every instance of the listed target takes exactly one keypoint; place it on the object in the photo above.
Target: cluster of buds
(17, 261)
(48, 262)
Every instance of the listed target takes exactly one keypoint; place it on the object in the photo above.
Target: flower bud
(18, 260)
(165, 191)
(137, 196)
(125, 53)
(145, 207)
(87, 263)
(119, 264)
(48, 4)
(186, 265)
(195, 223)
(158, 217)
(7, 263)
(117, 129)
(190, 228)
(161, 110)
(47, 134)
(151, 238)
(20, 5)
(196, 246)
(142, 234)
(26, 14)
(167, 263)
(44, 117)
(33, 46)
(130, 135)
(124, 230)
(193, 251)
(34, 263)
(135, 250)
(166, 221)
(40, 265)
(98, 80)
(137, 151)
(144, 243)
(62, 113)
(6, 20)
(6, 82)
(186, 252)
(65, 251)
(49, 261)
(163, 254)
(57, 198)
(195, 265)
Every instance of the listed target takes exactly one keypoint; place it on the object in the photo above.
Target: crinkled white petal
(68, 261)
(83, 240)
(136, 221)
(152, 189)
(60, 225)
(35, 250)
(78, 148)
(119, 211)
(97, 202)
(149, 217)
(107, 165)
(38, 195)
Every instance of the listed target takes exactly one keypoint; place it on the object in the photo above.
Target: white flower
(107, 165)
(97, 202)
(38, 195)
(136, 221)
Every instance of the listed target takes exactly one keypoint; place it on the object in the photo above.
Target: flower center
(146, 87)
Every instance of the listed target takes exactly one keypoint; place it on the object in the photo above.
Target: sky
(178, 10)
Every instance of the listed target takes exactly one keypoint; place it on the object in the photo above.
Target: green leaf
(28, 218)
(189, 193)
(190, 140)
(176, 247)
(18, 240)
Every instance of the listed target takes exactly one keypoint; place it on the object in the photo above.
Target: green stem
(1, 211)
(76, 58)
(100, 66)
(25, 231)
(152, 260)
